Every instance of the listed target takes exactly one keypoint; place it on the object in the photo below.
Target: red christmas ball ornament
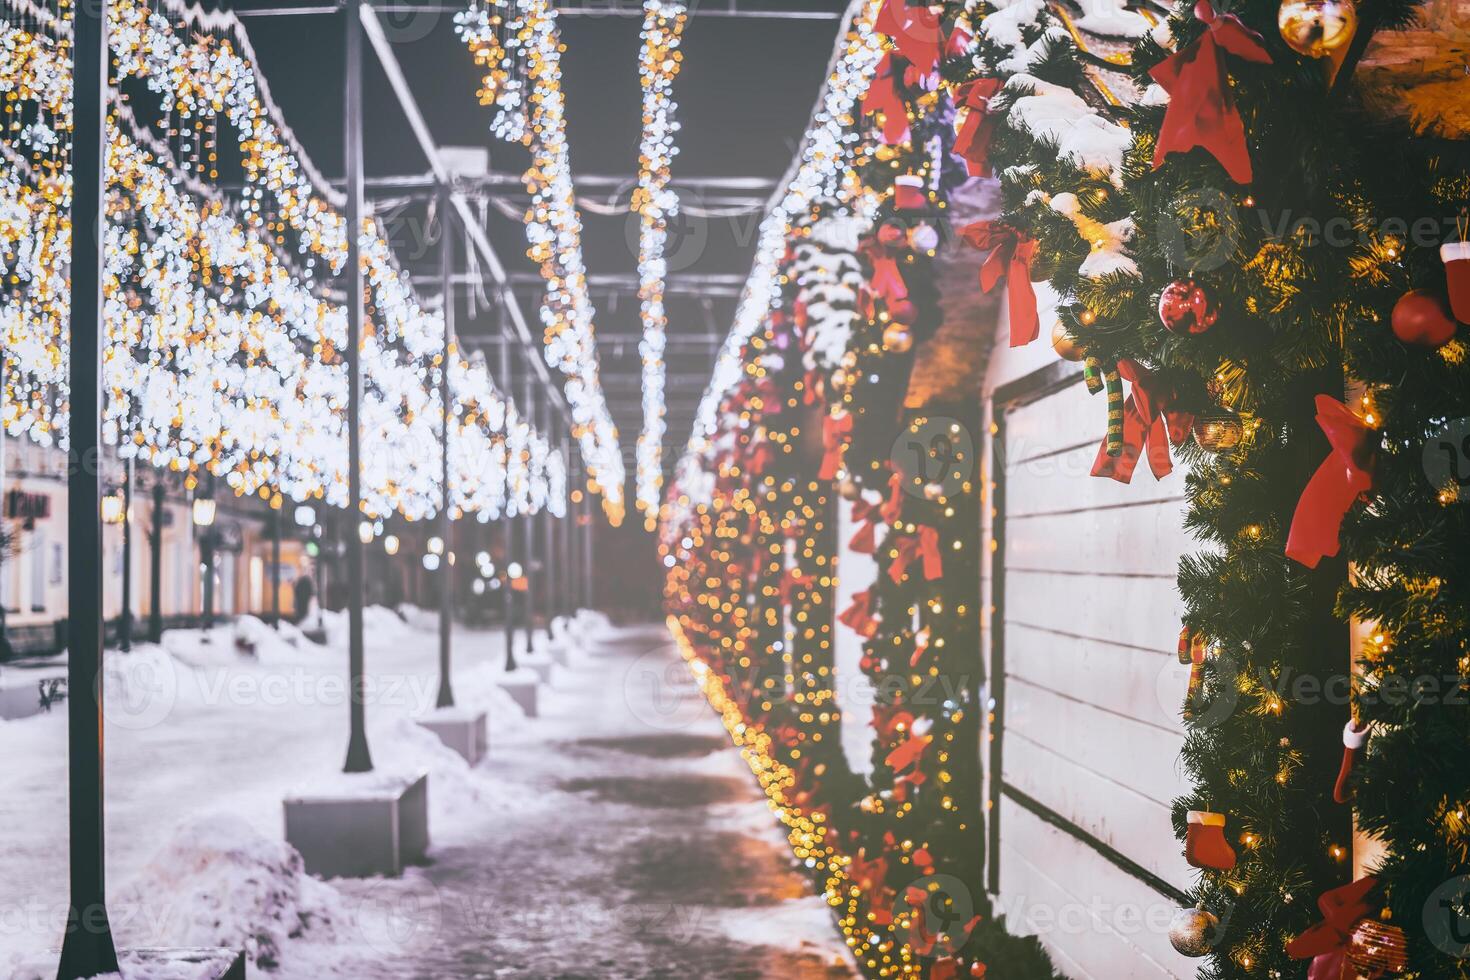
(1186, 307)
(1422, 319)
(902, 311)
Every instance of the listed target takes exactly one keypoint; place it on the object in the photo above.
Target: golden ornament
(1317, 28)
(1067, 348)
(848, 488)
(897, 338)
(839, 379)
(1193, 932)
(1377, 949)
(1218, 432)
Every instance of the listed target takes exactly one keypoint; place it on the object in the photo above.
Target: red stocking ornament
(1204, 841)
(1353, 740)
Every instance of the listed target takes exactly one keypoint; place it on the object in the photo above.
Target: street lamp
(203, 511)
(113, 508)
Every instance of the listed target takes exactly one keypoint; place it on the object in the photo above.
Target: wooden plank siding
(1081, 623)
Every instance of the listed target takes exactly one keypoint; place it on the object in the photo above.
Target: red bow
(886, 281)
(1149, 422)
(760, 458)
(915, 30)
(892, 508)
(865, 541)
(924, 545)
(973, 140)
(790, 582)
(1326, 943)
(858, 617)
(958, 42)
(1009, 258)
(835, 430)
(1201, 112)
(811, 390)
(907, 754)
(883, 96)
(1344, 476)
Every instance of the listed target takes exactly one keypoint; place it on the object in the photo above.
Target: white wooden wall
(1091, 685)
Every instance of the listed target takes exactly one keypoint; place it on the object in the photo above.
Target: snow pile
(220, 883)
(479, 687)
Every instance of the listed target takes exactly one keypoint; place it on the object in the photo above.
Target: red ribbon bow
(973, 139)
(1326, 943)
(883, 96)
(1344, 476)
(835, 431)
(865, 541)
(892, 508)
(924, 545)
(1009, 258)
(858, 617)
(907, 754)
(1148, 422)
(914, 30)
(886, 281)
(1201, 112)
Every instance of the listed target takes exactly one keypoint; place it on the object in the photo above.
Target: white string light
(820, 169)
(220, 357)
(658, 65)
(519, 44)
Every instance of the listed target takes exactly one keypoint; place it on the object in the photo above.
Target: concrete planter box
(560, 652)
(462, 729)
(176, 964)
(524, 689)
(539, 664)
(22, 694)
(361, 825)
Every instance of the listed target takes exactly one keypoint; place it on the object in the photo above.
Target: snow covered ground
(618, 835)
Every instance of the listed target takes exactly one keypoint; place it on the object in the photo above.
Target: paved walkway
(638, 846)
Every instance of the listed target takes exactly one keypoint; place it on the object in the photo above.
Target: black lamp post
(155, 565)
(203, 515)
(87, 949)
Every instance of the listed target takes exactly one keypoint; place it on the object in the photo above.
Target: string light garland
(221, 354)
(820, 169)
(658, 65)
(518, 42)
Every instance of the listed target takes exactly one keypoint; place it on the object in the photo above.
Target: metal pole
(87, 949)
(155, 565)
(512, 606)
(528, 524)
(206, 552)
(358, 757)
(276, 567)
(589, 530)
(125, 625)
(551, 568)
(446, 520)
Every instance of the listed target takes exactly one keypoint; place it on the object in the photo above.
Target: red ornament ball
(1421, 318)
(1185, 307)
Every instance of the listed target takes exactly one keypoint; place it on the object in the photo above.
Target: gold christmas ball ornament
(897, 338)
(839, 379)
(1067, 348)
(1194, 932)
(1378, 949)
(848, 488)
(1317, 28)
(1218, 432)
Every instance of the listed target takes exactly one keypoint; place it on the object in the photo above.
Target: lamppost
(115, 511)
(155, 565)
(203, 513)
(87, 947)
